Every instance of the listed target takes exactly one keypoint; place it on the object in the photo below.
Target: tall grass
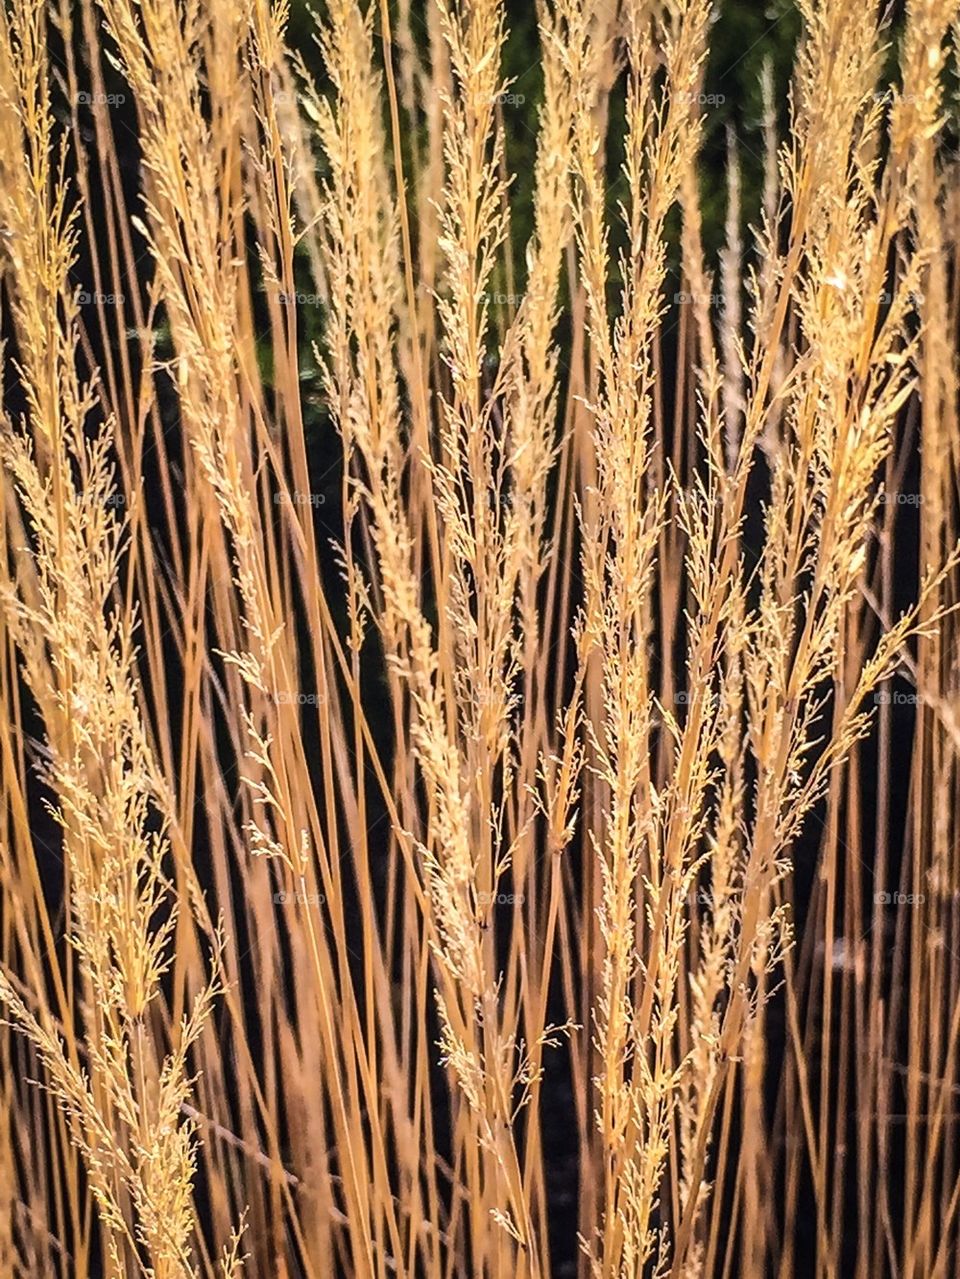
(460, 811)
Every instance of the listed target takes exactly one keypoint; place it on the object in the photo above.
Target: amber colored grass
(412, 723)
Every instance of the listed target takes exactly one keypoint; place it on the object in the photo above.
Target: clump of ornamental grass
(492, 444)
(485, 678)
(121, 1089)
(760, 650)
